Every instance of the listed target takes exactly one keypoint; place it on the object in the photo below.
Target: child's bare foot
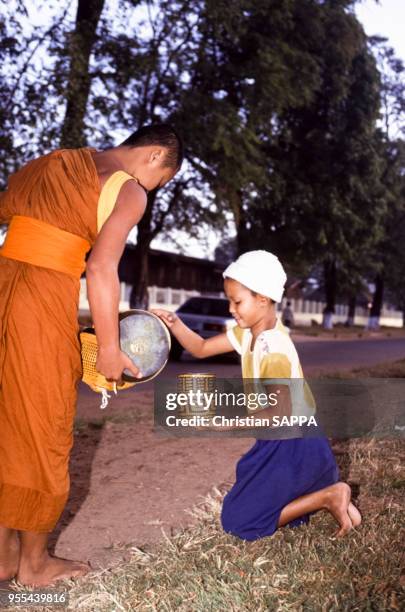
(338, 500)
(49, 570)
(9, 553)
(354, 515)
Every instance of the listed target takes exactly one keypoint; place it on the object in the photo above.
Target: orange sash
(45, 245)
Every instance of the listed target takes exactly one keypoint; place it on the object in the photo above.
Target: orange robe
(40, 361)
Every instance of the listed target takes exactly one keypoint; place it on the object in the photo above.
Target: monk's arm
(103, 286)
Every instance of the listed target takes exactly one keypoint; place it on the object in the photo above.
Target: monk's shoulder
(75, 165)
(131, 191)
(131, 199)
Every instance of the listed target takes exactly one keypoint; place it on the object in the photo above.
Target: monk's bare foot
(354, 514)
(338, 500)
(9, 553)
(48, 570)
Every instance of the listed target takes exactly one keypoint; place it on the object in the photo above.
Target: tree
(253, 62)
(325, 164)
(108, 77)
(391, 150)
(389, 252)
(148, 84)
(29, 93)
(81, 43)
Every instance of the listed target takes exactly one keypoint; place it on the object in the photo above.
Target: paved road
(348, 354)
(315, 355)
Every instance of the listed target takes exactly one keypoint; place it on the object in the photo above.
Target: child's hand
(167, 316)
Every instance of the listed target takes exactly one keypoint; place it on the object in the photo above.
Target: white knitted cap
(259, 271)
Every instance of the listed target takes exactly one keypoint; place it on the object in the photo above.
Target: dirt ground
(130, 483)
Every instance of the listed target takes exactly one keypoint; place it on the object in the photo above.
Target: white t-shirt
(274, 356)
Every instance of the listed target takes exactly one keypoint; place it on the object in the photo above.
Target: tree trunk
(139, 297)
(329, 274)
(78, 89)
(376, 307)
(243, 234)
(352, 311)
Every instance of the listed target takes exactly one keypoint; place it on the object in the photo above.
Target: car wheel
(176, 350)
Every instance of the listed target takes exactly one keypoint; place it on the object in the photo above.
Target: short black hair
(162, 134)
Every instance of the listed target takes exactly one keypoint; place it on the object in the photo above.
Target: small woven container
(91, 377)
(203, 382)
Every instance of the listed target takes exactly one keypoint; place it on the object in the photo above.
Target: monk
(58, 207)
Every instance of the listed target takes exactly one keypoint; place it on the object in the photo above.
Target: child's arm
(192, 342)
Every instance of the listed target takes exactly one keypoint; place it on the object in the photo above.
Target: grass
(391, 369)
(202, 569)
(349, 333)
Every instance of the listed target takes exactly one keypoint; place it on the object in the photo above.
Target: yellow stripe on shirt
(235, 335)
(275, 365)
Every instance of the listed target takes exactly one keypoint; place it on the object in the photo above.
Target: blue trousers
(271, 475)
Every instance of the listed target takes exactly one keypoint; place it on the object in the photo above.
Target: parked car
(207, 316)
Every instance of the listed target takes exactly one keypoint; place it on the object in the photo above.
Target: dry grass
(354, 332)
(202, 569)
(394, 369)
(391, 369)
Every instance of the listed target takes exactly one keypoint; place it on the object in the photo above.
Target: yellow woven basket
(90, 376)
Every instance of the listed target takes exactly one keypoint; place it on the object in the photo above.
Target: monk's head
(154, 155)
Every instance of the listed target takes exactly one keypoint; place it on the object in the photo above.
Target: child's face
(246, 308)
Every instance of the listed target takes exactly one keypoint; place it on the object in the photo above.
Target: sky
(387, 17)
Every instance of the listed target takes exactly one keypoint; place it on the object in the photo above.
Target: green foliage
(389, 251)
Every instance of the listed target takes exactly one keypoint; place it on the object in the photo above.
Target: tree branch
(27, 62)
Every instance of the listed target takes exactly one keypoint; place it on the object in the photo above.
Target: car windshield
(212, 307)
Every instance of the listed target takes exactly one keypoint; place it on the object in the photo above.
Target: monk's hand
(111, 362)
(167, 317)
